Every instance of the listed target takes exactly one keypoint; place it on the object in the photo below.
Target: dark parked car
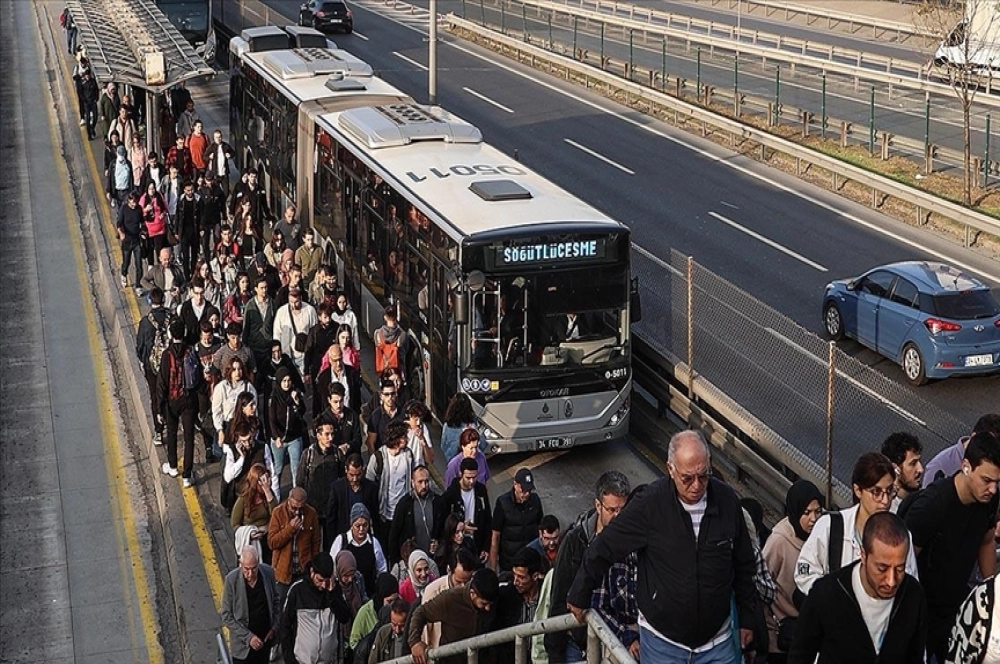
(327, 15)
(933, 319)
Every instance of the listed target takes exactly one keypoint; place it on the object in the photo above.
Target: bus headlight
(490, 434)
(620, 413)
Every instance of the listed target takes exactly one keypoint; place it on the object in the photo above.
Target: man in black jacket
(314, 611)
(610, 495)
(694, 555)
(465, 492)
(179, 401)
(213, 213)
(419, 514)
(348, 425)
(515, 520)
(154, 324)
(188, 224)
(353, 488)
(321, 466)
(130, 228)
(869, 612)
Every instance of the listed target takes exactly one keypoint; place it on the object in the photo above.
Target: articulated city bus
(512, 290)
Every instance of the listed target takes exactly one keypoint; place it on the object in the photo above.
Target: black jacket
(130, 223)
(516, 523)
(337, 519)
(258, 327)
(831, 625)
(213, 208)
(568, 561)
(321, 387)
(484, 519)
(306, 598)
(318, 470)
(188, 217)
(685, 586)
(348, 428)
(192, 323)
(318, 341)
(402, 523)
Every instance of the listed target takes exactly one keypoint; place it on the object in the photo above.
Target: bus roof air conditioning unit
(309, 62)
(401, 124)
(499, 190)
(336, 84)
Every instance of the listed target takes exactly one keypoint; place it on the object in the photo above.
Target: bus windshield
(556, 317)
(190, 17)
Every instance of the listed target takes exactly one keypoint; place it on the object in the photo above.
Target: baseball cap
(526, 479)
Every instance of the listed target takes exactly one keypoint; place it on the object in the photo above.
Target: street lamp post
(432, 55)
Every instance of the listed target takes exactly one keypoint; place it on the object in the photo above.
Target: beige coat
(781, 553)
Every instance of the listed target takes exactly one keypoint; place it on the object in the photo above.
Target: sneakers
(157, 438)
(124, 281)
(138, 290)
(168, 470)
(188, 482)
(83, 122)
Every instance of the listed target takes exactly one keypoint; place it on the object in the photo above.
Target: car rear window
(337, 7)
(966, 305)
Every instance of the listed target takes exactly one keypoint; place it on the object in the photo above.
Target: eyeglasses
(879, 493)
(613, 511)
(689, 479)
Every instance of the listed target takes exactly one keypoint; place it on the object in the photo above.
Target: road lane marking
(863, 388)
(600, 156)
(480, 95)
(359, 35)
(214, 570)
(769, 242)
(410, 60)
(126, 530)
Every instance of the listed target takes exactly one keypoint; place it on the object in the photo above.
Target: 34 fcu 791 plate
(553, 443)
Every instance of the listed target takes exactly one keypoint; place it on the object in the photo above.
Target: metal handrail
(599, 636)
(926, 202)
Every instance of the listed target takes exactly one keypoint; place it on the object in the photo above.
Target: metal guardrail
(880, 28)
(841, 172)
(824, 58)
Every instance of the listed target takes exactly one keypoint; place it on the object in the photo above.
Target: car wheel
(833, 321)
(913, 365)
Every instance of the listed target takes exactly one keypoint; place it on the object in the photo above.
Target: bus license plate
(979, 360)
(553, 443)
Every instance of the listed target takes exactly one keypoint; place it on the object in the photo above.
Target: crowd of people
(250, 346)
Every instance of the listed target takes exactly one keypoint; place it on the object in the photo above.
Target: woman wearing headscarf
(369, 618)
(352, 586)
(803, 507)
(287, 426)
(412, 590)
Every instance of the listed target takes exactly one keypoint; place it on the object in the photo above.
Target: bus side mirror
(634, 301)
(460, 305)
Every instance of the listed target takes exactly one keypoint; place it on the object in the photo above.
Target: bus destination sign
(569, 251)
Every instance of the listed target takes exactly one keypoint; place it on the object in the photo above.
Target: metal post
(464, 14)
(986, 167)
(503, 19)
(663, 65)
(602, 45)
(871, 123)
(432, 58)
(593, 646)
(524, 22)
(823, 105)
(927, 123)
(482, 13)
(630, 53)
(153, 123)
(575, 19)
(690, 330)
(699, 74)
(736, 76)
(830, 382)
(551, 46)
(777, 94)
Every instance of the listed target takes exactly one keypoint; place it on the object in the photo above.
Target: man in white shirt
(296, 317)
(870, 611)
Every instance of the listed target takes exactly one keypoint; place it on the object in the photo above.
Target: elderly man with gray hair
(250, 609)
(694, 554)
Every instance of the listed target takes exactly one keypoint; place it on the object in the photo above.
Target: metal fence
(823, 408)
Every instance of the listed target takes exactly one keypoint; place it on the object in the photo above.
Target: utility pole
(432, 58)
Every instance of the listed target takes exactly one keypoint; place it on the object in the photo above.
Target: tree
(969, 50)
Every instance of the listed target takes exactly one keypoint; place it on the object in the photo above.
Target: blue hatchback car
(933, 319)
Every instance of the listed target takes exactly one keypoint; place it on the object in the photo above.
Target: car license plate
(979, 360)
(553, 443)
(336, 20)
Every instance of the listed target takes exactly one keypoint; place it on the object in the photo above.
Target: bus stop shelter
(132, 42)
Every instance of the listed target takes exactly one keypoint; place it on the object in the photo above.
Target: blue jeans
(654, 649)
(294, 450)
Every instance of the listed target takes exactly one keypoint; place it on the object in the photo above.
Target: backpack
(176, 386)
(63, 18)
(387, 356)
(835, 550)
(380, 461)
(161, 340)
(193, 372)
